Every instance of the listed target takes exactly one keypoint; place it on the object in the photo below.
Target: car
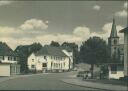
(80, 73)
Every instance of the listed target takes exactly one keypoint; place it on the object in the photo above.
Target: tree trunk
(92, 68)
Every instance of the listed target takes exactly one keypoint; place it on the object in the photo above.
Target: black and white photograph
(64, 45)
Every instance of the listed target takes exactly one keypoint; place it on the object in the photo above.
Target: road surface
(50, 81)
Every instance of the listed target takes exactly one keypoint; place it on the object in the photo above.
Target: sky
(25, 22)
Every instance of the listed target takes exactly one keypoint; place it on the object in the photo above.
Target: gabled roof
(52, 51)
(5, 50)
(67, 48)
(123, 30)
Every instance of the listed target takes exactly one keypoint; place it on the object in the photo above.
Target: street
(51, 81)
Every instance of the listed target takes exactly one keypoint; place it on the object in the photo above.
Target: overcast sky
(25, 22)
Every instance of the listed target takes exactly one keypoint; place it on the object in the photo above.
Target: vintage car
(84, 74)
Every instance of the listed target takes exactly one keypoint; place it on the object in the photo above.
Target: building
(116, 53)
(8, 61)
(125, 31)
(51, 59)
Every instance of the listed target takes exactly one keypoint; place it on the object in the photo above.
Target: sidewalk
(79, 82)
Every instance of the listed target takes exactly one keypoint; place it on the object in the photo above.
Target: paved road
(40, 82)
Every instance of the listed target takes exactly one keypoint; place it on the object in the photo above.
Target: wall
(4, 69)
(126, 53)
(119, 74)
(39, 61)
(9, 61)
(70, 55)
(31, 62)
(52, 63)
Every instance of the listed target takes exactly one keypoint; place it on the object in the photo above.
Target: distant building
(116, 53)
(8, 61)
(125, 31)
(51, 59)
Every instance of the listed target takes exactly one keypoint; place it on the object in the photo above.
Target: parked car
(80, 74)
(84, 74)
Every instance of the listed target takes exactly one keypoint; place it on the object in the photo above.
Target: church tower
(113, 42)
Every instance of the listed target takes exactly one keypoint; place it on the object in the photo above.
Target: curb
(89, 86)
(85, 86)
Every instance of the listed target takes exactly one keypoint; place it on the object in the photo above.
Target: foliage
(94, 51)
(24, 51)
(55, 44)
(74, 48)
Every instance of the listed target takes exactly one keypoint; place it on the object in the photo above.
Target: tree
(74, 48)
(24, 51)
(94, 51)
(54, 44)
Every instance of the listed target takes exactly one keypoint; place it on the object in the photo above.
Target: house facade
(125, 31)
(51, 59)
(117, 55)
(8, 61)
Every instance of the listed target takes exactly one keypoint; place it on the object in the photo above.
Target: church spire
(113, 30)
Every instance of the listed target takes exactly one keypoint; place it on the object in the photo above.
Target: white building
(125, 31)
(8, 61)
(51, 59)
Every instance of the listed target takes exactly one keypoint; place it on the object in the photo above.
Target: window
(113, 69)
(32, 66)
(115, 41)
(51, 64)
(44, 57)
(8, 58)
(11, 58)
(44, 65)
(64, 64)
(61, 65)
(32, 60)
(14, 58)
(54, 65)
(17, 58)
(54, 58)
(1, 57)
(63, 58)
